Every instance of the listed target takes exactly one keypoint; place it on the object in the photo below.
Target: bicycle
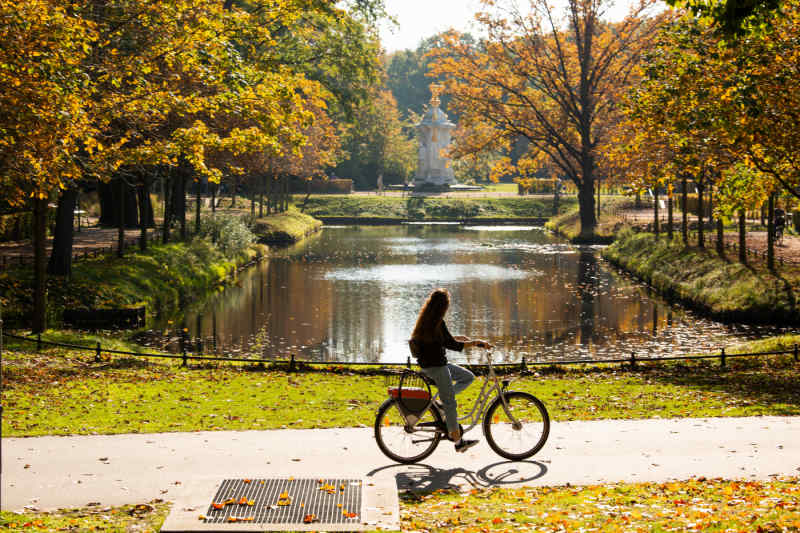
(410, 424)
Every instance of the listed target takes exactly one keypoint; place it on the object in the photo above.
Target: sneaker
(465, 445)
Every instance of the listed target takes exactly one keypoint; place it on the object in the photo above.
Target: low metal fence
(292, 362)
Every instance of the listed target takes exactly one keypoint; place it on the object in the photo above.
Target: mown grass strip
(61, 392)
(419, 207)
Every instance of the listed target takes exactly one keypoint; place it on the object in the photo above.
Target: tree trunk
(684, 214)
(742, 237)
(198, 207)
(234, 183)
(168, 210)
(105, 195)
(145, 203)
(720, 237)
(670, 215)
(145, 211)
(700, 235)
(586, 209)
(656, 225)
(179, 195)
(39, 323)
(121, 186)
(598, 200)
(61, 255)
(213, 191)
(771, 232)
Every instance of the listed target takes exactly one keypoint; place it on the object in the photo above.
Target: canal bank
(699, 279)
(722, 289)
(161, 280)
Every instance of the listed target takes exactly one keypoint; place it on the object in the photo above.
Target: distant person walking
(428, 343)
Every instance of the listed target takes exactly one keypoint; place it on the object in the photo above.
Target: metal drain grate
(286, 501)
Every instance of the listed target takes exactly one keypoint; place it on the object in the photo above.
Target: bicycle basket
(411, 391)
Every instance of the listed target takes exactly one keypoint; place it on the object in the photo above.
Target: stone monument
(433, 170)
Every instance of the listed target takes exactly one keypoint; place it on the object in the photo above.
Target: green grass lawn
(501, 187)
(419, 207)
(695, 504)
(61, 392)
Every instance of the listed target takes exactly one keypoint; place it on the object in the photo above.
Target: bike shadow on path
(427, 478)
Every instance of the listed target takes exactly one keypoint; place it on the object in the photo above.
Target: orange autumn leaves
(284, 500)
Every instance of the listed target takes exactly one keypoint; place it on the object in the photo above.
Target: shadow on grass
(772, 382)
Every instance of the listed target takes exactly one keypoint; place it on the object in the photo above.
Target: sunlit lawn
(62, 392)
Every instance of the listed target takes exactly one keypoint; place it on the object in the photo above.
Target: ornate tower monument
(433, 170)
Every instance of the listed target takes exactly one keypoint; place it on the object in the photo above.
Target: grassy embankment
(431, 208)
(695, 504)
(698, 278)
(724, 289)
(160, 278)
(285, 228)
(568, 222)
(61, 392)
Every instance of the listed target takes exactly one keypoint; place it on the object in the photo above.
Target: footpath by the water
(65, 472)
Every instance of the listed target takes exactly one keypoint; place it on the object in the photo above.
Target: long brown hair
(431, 316)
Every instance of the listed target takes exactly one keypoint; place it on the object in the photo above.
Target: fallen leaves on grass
(696, 504)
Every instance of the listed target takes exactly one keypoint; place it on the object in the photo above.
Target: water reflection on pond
(353, 293)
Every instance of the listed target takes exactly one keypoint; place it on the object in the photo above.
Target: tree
(43, 116)
(378, 142)
(555, 82)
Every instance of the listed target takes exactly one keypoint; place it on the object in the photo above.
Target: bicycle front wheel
(402, 443)
(521, 431)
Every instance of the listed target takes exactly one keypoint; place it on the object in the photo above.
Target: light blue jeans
(450, 380)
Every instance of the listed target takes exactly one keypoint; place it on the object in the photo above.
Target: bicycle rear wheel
(402, 443)
(523, 433)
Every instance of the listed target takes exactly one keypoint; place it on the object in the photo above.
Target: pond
(353, 293)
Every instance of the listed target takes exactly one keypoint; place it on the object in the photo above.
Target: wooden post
(291, 364)
(38, 342)
(633, 359)
(97, 351)
(722, 358)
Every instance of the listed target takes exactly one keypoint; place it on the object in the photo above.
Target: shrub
(229, 233)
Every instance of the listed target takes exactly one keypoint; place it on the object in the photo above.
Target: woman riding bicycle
(428, 343)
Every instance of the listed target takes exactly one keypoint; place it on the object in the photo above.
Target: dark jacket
(431, 353)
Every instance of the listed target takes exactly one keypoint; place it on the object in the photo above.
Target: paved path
(55, 472)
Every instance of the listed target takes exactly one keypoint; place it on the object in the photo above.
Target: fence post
(408, 361)
(524, 366)
(185, 360)
(38, 342)
(291, 363)
(97, 351)
(722, 358)
(633, 359)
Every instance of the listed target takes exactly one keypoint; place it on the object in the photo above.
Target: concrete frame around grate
(380, 510)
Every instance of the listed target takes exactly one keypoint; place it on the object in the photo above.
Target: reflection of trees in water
(567, 306)
(588, 283)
